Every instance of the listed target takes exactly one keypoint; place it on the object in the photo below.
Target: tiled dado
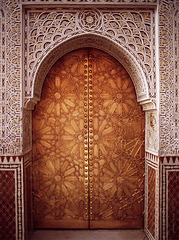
(169, 171)
(152, 196)
(161, 197)
(11, 198)
(162, 176)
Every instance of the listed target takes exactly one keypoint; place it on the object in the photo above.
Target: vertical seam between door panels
(90, 130)
(86, 137)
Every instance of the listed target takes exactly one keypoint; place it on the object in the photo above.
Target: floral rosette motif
(89, 20)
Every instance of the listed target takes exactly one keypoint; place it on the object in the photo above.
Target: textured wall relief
(11, 200)
(169, 39)
(10, 78)
(1, 67)
(151, 131)
(132, 30)
(176, 74)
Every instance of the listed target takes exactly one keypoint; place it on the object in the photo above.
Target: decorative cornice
(11, 159)
(152, 158)
(170, 160)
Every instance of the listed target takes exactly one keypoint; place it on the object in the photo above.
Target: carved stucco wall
(11, 60)
(150, 45)
(151, 130)
(133, 30)
(10, 78)
(120, 26)
(168, 56)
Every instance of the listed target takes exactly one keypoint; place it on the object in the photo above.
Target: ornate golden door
(88, 146)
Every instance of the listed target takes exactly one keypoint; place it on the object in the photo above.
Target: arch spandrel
(95, 41)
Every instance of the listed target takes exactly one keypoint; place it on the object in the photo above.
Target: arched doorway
(88, 146)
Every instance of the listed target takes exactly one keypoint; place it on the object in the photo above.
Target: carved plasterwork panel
(132, 30)
(10, 77)
(169, 40)
(10, 70)
(151, 132)
(1, 66)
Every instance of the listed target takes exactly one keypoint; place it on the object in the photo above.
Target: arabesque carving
(169, 55)
(151, 132)
(12, 52)
(10, 78)
(132, 30)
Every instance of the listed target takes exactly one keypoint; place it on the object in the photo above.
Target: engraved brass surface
(88, 146)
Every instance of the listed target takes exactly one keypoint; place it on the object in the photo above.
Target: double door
(88, 146)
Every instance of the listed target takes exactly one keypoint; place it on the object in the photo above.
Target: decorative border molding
(170, 160)
(151, 158)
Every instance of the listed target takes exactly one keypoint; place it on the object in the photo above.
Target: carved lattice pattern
(133, 30)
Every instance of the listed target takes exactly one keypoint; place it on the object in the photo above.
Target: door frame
(136, 73)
